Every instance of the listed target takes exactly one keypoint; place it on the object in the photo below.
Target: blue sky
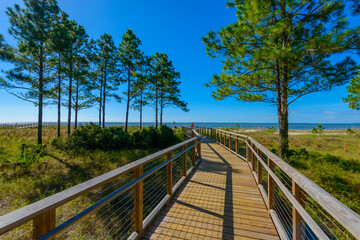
(176, 28)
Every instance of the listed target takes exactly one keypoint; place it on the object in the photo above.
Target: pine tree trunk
(283, 133)
(100, 101)
(161, 110)
(141, 106)
(283, 115)
(128, 102)
(59, 101)
(69, 104)
(41, 88)
(156, 108)
(76, 102)
(104, 98)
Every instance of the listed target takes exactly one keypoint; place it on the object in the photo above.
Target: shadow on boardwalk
(219, 201)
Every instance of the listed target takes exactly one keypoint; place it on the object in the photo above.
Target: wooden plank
(279, 226)
(155, 212)
(216, 203)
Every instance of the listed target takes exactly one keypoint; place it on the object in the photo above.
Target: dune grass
(55, 170)
(331, 160)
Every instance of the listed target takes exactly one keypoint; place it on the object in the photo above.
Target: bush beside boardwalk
(331, 160)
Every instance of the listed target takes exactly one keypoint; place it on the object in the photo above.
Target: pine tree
(169, 92)
(157, 68)
(130, 58)
(170, 96)
(278, 52)
(76, 49)
(353, 98)
(108, 69)
(60, 43)
(139, 93)
(5, 50)
(83, 87)
(31, 27)
(95, 74)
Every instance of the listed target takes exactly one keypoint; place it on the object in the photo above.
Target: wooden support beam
(44, 223)
(237, 145)
(271, 194)
(138, 200)
(184, 161)
(199, 148)
(169, 176)
(297, 220)
(253, 158)
(259, 168)
(193, 159)
(230, 141)
(247, 152)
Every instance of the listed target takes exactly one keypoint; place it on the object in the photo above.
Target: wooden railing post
(297, 225)
(259, 168)
(230, 142)
(253, 158)
(44, 223)
(193, 159)
(247, 151)
(271, 193)
(138, 200)
(184, 160)
(169, 176)
(199, 148)
(237, 145)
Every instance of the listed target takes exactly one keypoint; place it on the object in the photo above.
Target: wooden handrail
(341, 213)
(32, 211)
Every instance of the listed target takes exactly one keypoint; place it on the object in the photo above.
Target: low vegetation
(29, 172)
(331, 159)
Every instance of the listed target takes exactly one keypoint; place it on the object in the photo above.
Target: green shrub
(30, 154)
(92, 136)
(350, 131)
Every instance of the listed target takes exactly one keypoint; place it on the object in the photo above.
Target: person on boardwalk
(192, 125)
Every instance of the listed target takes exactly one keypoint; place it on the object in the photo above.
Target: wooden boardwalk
(219, 201)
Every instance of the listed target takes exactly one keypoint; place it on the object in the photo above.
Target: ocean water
(292, 126)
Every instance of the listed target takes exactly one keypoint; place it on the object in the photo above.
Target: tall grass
(331, 161)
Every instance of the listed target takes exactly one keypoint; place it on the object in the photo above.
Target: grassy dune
(331, 160)
(55, 171)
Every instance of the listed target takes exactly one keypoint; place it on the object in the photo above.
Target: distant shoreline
(259, 126)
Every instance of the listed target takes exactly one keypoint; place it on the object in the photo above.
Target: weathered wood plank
(221, 200)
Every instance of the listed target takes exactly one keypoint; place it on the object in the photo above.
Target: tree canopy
(278, 52)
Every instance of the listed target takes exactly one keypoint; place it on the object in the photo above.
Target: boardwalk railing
(25, 124)
(299, 208)
(119, 204)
